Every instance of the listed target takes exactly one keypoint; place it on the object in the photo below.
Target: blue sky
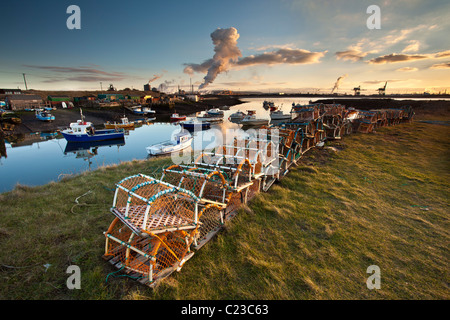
(287, 44)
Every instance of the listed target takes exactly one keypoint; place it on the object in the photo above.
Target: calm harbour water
(43, 160)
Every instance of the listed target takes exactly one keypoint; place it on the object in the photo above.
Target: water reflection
(88, 150)
(40, 158)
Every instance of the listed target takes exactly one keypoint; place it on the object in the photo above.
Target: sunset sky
(283, 45)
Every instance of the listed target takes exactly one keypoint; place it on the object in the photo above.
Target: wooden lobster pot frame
(381, 117)
(407, 114)
(333, 121)
(311, 133)
(149, 258)
(208, 184)
(155, 224)
(238, 168)
(367, 121)
(306, 113)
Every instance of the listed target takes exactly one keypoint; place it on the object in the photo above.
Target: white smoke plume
(338, 82)
(226, 52)
(155, 77)
(227, 55)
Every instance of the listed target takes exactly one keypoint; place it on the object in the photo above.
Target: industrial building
(10, 91)
(24, 101)
(58, 100)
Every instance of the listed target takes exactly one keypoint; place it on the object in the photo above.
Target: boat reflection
(89, 149)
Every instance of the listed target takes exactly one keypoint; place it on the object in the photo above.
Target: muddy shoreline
(98, 116)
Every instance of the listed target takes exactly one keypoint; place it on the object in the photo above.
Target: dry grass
(381, 199)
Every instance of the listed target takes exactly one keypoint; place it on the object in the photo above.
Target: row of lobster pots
(160, 223)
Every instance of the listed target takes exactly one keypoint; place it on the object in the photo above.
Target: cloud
(82, 74)
(442, 54)
(407, 69)
(228, 56)
(444, 65)
(352, 55)
(287, 56)
(394, 58)
(412, 47)
(382, 81)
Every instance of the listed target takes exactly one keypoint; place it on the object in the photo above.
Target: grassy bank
(373, 199)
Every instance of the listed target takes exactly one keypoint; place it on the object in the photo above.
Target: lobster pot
(154, 205)
(211, 222)
(208, 184)
(407, 114)
(237, 167)
(253, 190)
(148, 258)
(234, 200)
(306, 113)
(162, 220)
(333, 122)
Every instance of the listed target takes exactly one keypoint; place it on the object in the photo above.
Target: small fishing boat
(209, 118)
(81, 131)
(268, 104)
(251, 120)
(177, 117)
(195, 125)
(180, 141)
(215, 112)
(279, 115)
(237, 116)
(44, 116)
(142, 110)
(125, 124)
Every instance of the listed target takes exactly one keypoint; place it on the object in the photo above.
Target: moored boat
(44, 116)
(268, 104)
(142, 110)
(125, 124)
(251, 120)
(195, 125)
(177, 117)
(180, 141)
(237, 116)
(81, 131)
(279, 115)
(215, 112)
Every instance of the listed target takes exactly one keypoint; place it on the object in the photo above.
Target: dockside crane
(382, 91)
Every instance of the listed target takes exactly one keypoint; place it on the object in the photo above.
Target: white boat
(209, 118)
(142, 110)
(268, 104)
(180, 141)
(279, 115)
(215, 112)
(251, 120)
(237, 116)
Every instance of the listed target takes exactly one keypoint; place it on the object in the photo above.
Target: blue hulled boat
(44, 116)
(82, 131)
(195, 125)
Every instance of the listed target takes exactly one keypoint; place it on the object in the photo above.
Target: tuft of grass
(380, 199)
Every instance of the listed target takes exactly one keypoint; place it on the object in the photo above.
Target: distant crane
(382, 91)
(358, 90)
